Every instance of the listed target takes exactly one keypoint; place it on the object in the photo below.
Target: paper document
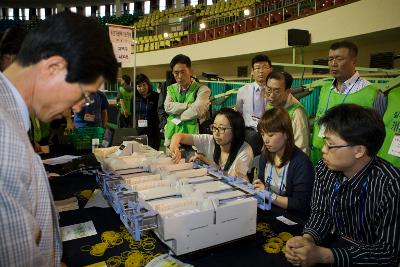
(59, 160)
(76, 231)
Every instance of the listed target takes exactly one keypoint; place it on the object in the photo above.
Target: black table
(246, 251)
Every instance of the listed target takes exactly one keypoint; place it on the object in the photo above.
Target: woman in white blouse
(224, 149)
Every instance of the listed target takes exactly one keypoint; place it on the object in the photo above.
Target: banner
(121, 39)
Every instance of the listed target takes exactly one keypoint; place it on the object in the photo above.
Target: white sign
(395, 146)
(121, 39)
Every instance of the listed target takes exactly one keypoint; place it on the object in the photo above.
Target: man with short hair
(278, 95)
(60, 63)
(356, 195)
(251, 103)
(347, 87)
(187, 101)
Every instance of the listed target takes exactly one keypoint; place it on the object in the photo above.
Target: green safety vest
(290, 109)
(127, 97)
(392, 126)
(364, 97)
(40, 129)
(189, 126)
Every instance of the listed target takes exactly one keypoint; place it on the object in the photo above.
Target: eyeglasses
(335, 146)
(86, 96)
(261, 67)
(219, 129)
(269, 91)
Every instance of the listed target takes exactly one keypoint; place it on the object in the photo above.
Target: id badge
(142, 123)
(89, 117)
(394, 149)
(176, 121)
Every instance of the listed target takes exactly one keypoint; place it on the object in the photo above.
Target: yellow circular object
(114, 261)
(285, 236)
(86, 194)
(276, 240)
(272, 248)
(98, 249)
(136, 259)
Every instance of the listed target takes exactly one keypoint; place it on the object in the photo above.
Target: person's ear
(360, 151)
(53, 65)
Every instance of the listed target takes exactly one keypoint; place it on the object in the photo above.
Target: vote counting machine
(189, 206)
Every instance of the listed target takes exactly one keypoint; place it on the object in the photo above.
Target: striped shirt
(364, 209)
(354, 84)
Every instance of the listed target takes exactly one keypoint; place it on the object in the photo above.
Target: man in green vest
(278, 94)
(187, 101)
(124, 100)
(347, 87)
(390, 149)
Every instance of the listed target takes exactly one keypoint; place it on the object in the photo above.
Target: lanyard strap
(140, 107)
(270, 178)
(344, 99)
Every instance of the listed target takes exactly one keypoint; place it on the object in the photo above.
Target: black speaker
(298, 37)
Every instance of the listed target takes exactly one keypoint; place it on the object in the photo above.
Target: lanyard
(361, 208)
(344, 99)
(269, 178)
(140, 107)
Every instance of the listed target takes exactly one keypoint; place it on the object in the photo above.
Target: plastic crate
(81, 138)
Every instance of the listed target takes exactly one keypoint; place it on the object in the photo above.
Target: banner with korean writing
(121, 39)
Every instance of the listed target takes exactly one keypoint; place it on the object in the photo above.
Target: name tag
(142, 123)
(89, 117)
(395, 146)
(176, 121)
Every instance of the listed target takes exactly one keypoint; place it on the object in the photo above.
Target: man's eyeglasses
(261, 67)
(86, 96)
(219, 129)
(335, 146)
(269, 91)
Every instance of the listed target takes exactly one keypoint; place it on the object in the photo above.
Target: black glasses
(86, 96)
(219, 129)
(335, 146)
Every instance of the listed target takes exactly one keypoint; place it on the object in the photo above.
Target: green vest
(40, 129)
(292, 108)
(127, 97)
(189, 126)
(392, 126)
(329, 98)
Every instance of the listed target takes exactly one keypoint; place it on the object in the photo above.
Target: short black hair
(356, 125)
(126, 79)
(11, 41)
(353, 49)
(180, 59)
(141, 78)
(81, 41)
(281, 76)
(260, 58)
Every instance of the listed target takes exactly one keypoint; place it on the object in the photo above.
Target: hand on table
(302, 251)
(258, 184)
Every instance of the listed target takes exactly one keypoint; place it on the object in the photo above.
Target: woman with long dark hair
(284, 169)
(224, 149)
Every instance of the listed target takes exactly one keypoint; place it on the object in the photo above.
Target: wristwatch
(273, 196)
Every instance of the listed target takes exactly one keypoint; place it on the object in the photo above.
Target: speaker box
(298, 37)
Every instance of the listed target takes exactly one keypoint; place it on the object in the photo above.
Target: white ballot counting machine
(189, 206)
